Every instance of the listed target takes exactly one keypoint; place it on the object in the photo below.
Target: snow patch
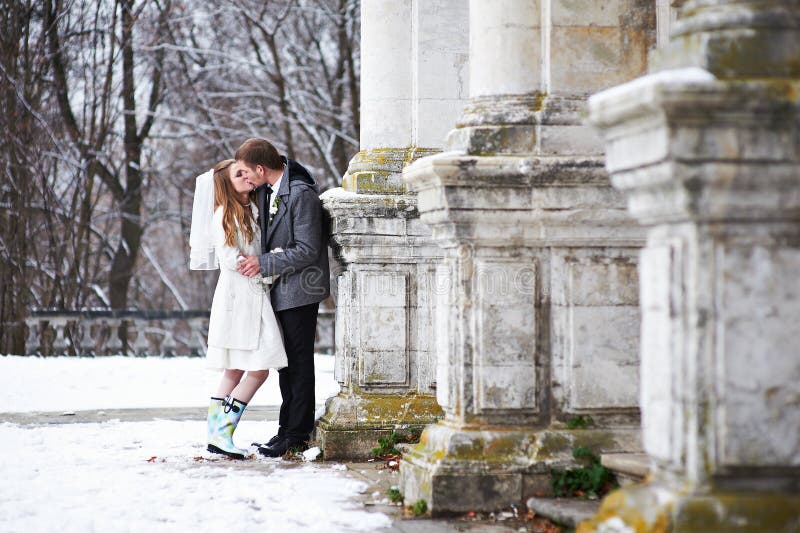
(311, 453)
(69, 384)
(156, 476)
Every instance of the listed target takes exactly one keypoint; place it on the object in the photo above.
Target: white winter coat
(238, 300)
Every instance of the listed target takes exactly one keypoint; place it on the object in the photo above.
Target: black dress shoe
(280, 448)
(270, 442)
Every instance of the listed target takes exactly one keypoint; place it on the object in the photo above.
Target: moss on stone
(642, 510)
(744, 56)
(472, 450)
(595, 440)
(394, 409)
(616, 505)
(553, 443)
(353, 423)
(738, 512)
(377, 170)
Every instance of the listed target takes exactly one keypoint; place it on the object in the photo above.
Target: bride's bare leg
(230, 379)
(247, 387)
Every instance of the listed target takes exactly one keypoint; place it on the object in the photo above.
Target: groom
(290, 215)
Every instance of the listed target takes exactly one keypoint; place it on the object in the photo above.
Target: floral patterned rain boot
(223, 417)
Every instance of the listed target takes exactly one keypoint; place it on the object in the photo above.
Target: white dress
(243, 332)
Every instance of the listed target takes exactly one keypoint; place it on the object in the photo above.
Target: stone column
(413, 72)
(708, 156)
(537, 309)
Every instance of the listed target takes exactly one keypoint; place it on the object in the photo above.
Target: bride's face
(239, 178)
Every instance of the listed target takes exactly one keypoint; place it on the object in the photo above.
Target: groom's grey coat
(297, 228)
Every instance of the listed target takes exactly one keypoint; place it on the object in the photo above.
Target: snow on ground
(145, 476)
(97, 477)
(118, 382)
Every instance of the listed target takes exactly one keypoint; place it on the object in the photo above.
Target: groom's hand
(248, 266)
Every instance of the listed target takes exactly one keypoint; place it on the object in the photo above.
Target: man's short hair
(259, 152)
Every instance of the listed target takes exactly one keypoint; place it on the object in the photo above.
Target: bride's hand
(248, 266)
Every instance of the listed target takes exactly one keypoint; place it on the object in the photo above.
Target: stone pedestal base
(536, 324)
(384, 308)
(458, 470)
(657, 507)
(353, 423)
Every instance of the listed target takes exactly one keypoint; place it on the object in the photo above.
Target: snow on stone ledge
(337, 193)
(664, 77)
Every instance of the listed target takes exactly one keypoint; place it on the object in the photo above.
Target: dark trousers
(299, 327)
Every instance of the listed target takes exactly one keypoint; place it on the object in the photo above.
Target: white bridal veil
(202, 256)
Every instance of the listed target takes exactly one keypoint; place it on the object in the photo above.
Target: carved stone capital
(512, 200)
(685, 146)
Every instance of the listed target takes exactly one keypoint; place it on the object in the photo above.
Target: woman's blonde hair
(233, 213)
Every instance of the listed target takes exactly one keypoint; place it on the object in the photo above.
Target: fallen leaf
(544, 525)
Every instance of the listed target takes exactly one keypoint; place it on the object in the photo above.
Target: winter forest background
(111, 108)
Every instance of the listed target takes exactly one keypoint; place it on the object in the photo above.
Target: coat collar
(283, 186)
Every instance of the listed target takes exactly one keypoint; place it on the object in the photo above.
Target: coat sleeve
(225, 254)
(307, 241)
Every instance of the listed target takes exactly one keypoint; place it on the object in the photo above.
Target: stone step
(628, 467)
(567, 512)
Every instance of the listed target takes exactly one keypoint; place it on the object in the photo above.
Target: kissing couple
(258, 218)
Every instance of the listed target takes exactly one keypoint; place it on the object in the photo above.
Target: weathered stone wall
(710, 162)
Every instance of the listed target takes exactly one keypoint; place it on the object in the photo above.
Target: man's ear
(261, 170)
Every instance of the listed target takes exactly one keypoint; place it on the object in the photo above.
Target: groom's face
(252, 174)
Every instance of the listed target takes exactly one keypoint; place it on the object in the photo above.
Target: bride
(243, 335)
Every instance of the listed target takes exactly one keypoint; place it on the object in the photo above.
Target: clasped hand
(248, 266)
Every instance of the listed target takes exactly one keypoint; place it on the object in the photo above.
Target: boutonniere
(274, 207)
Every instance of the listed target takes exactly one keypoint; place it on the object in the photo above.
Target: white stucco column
(413, 72)
(536, 318)
(706, 151)
(441, 69)
(386, 64)
(413, 83)
(505, 47)
(506, 82)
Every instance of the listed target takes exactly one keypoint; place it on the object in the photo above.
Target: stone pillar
(707, 152)
(666, 15)
(537, 313)
(413, 67)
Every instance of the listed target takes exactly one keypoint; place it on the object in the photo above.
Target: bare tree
(110, 108)
(287, 71)
(112, 115)
(47, 212)
(20, 99)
